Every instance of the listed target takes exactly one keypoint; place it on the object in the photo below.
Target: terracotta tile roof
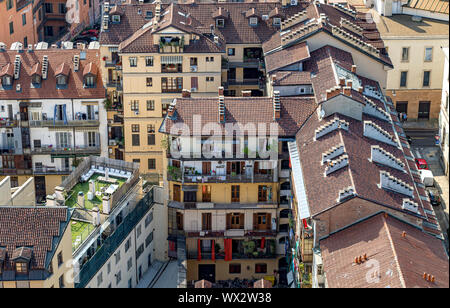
(8, 69)
(286, 78)
(243, 110)
(275, 13)
(392, 260)
(26, 229)
(90, 68)
(221, 12)
(287, 56)
(251, 12)
(59, 60)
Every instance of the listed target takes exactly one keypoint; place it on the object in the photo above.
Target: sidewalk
(432, 124)
(149, 275)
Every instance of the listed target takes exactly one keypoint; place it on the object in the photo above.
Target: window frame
(425, 54)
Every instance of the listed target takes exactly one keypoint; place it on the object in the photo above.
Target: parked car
(421, 164)
(434, 196)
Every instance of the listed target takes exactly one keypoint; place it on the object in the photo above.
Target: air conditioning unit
(136, 112)
(294, 2)
(202, 233)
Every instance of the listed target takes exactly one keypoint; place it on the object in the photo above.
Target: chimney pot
(220, 91)
(353, 68)
(349, 83)
(342, 81)
(185, 93)
(424, 275)
(274, 78)
(403, 234)
(432, 279)
(347, 91)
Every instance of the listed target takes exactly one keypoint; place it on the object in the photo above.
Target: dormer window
(89, 81)
(277, 21)
(253, 21)
(148, 14)
(21, 267)
(36, 79)
(21, 257)
(220, 23)
(89, 74)
(7, 80)
(61, 80)
(115, 18)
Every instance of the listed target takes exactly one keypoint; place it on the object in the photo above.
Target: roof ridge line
(402, 280)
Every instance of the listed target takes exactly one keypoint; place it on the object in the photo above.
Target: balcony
(171, 68)
(59, 123)
(15, 171)
(115, 63)
(248, 81)
(114, 84)
(175, 175)
(51, 170)
(50, 149)
(7, 123)
(221, 206)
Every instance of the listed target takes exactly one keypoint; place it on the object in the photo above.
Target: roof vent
(221, 106)
(331, 126)
(389, 182)
(346, 193)
(30, 48)
(373, 131)
(76, 63)
(410, 205)
(18, 87)
(17, 67)
(383, 157)
(372, 109)
(42, 46)
(44, 67)
(276, 105)
(334, 165)
(333, 153)
(17, 46)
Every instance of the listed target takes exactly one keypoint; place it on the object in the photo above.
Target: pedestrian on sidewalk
(405, 117)
(401, 117)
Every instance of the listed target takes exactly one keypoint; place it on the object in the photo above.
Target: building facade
(52, 113)
(444, 128)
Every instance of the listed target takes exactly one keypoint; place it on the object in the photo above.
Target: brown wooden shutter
(269, 221)
(255, 221)
(241, 221)
(228, 167)
(228, 221)
(242, 166)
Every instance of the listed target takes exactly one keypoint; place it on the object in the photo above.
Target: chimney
(274, 78)
(76, 62)
(349, 83)
(106, 202)
(221, 106)
(80, 199)
(247, 93)
(365, 257)
(329, 94)
(403, 234)
(158, 10)
(354, 69)
(276, 105)
(360, 89)
(96, 216)
(220, 91)
(185, 93)
(342, 81)
(347, 91)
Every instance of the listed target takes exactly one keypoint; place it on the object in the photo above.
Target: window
(24, 19)
(209, 59)
(6, 80)
(139, 251)
(231, 51)
(405, 54)
(117, 257)
(428, 54)
(138, 231)
(193, 61)
(60, 259)
(61, 80)
(11, 28)
(48, 7)
(99, 279)
(25, 41)
(262, 193)
(89, 81)
(149, 239)
(108, 268)
(235, 193)
(206, 193)
(403, 79)
(118, 277)
(129, 263)
(135, 140)
(149, 82)
(21, 267)
(220, 23)
(151, 134)
(277, 21)
(234, 269)
(136, 160)
(171, 84)
(151, 164)
(148, 219)
(36, 79)
(149, 61)
(48, 31)
(253, 21)
(61, 281)
(150, 105)
(261, 268)
(115, 18)
(130, 283)
(424, 110)
(135, 105)
(401, 107)
(135, 128)
(209, 79)
(426, 78)
(9, 4)
(127, 244)
(62, 8)
(133, 61)
(206, 221)
(148, 14)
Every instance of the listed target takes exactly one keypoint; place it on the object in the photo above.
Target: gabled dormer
(62, 75)
(252, 17)
(21, 258)
(115, 14)
(275, 17)
(36, 75)
(90, 75)
(220, 17)
(6, 76)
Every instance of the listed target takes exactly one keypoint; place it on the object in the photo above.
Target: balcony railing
(238, 178)
(59, 123)
(50, 149)
(15, 171)
(247, 81)
(51, 170)
(8, 123)
(114, 84)
(230, 232)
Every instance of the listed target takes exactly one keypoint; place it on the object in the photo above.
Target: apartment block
(444, 128)
(52, 112)
(414, 34)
